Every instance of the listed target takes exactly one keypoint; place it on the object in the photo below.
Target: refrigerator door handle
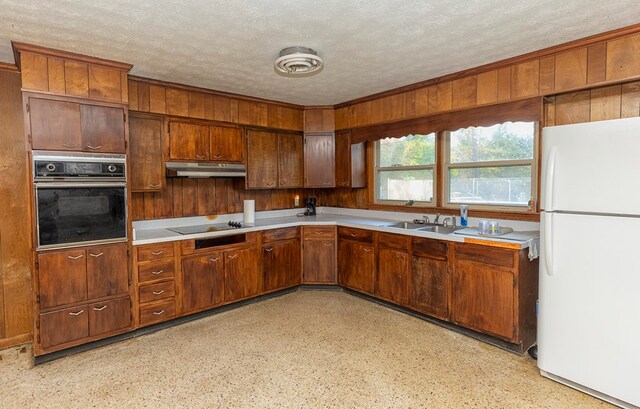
(548, 243)
(550, 178)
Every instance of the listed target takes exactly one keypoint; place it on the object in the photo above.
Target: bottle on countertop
(464, 220)
(531, 205)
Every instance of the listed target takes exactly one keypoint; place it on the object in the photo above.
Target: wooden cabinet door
(107, 270)
(281, 264)
(356, 264)
(102, 129)
(226, 144)
(109, 316)
(188, 141)
(393, 275)
(483, 298)
(319, 261)
(59, 327)
(242, 277)
(290, 160)
(430, 286)
(62, 277)
(146, 154)
(262, 159)
(319, 160)
(203, 282)
(343, 159)
(55, 125)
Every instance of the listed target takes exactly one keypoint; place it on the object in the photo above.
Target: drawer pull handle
(214, 259)
(366, 250)
(158, 312)
(76, 257)
(154, 185)
(217, 156)
(353, 235)
(156, 273)
(328, 244)
(269, 249)
(96, 255)
(158, 292)
(70, 145)
(75, 314)
(99, 309)
(232, 256)
(318, 232)
(157, 253)
(200, 156)
(94, 148)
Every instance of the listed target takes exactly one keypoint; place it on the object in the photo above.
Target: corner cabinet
(356, 259)
(319, 255)
(274, 160)
(146, 152)
(319, 160)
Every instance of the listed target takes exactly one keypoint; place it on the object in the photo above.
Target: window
(405, 169)
(491, 166)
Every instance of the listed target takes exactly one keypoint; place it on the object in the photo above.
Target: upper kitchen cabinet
(146, 152)
(290, 160)
(68, 125)
(274, 159)
(350, 162)
(319, 120)
(188, 141)
(226, 144)
(319, 160)
(64, 73)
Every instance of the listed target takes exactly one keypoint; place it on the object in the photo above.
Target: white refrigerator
(589, 298)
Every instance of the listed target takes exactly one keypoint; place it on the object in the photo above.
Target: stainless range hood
(205, 170)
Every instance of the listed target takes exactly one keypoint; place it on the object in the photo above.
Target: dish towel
(534, 244)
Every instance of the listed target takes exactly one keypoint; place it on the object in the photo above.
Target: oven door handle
(53, 185)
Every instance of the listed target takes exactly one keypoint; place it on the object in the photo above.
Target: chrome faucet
(426, 219)
(445, 221)
(435, 221)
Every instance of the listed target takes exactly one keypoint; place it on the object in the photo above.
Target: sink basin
(440, 229)
(405, 225)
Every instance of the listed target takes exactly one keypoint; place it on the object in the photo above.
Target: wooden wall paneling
(504, 84)
(397, 106)
(387, 115)
(410, 104)
(76, 78)
(596, 63)
(432, 99)
(144, 101)
(549, 118)
(163, 202)
(274, 116)
(222, 187)
(363, 113)
(630, 101)
(124, 87)
(329, 119)
(487, 87)
(149, 206)
(464, 92)
(133, 95)
(605, 103)
(573, 108)
(196, 105)
(104, 83)
(235, 196)
(206, 197)
(313, 120)
(571, 69)
(189, 197)
(157, 99)
(352, 116)
(252, 113)
(15, 242)
(34, 72)
(421, 101)
(525, 79)
(55, 70)
(443, 91)
(234, 108)
(208, 107)
(623, 58)
(137, 206)
(225, 109)
(341, 117)
(177, 102)
(547, 74)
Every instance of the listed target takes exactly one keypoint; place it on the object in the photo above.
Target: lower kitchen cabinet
(109, 316)
(430, 277)
(155, 283)
(319, 255)
(202, 282)
(281, 264)
(393, 275)
(357, 265)
(242, 275)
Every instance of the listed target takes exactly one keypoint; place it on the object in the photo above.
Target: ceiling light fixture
(298, 61)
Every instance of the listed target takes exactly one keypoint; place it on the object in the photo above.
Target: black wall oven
(80, 199)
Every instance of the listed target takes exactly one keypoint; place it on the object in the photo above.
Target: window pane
(411, 150)
(406, 185)
(492, 185)
(510, 140)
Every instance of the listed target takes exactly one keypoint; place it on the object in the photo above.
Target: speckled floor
(302, 350)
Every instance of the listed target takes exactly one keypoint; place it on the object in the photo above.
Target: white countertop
(158, 230)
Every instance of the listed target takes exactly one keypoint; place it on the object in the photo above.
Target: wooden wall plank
(571, 69)
(55, 71)
(104, 83)
(206, 197)
(133, 96)
(410, 104)
(144, 97)
(623, 58)
(397, 107)
(605, 103)
(274, 116)
(234, 110)
(124, 87)
(432, 101)
(363, 114)
(76, 75)
(177, 102)
(189, 195)
(421, 101)
(137, 206)
(464, 91)
(487, 87)
(313, 120)
(377, 111)
(443, 92)
(176, 196)
(208, 106)
(222, 109)
(630, 100)
(596, 63)
(34, 72)
(163, 202)
(525, 79)
(196, 105)
(547, 74)
(352, 116)
(341, 120)
(157, 99)
(504, 84)
(573, 108)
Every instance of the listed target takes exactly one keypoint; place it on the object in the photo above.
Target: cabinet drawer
(59, 327)
(394, 241)
(485, 255)
(152, 292)
(155, 251)
(365, 236)
(109, 316)
(156, 312)
(429, 247)
(280, 234)
(321, 232)
(155, 270)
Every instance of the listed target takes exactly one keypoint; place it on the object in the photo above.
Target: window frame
(377, 169)
(447, 166)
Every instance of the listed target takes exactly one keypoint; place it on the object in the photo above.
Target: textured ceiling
(368, 46)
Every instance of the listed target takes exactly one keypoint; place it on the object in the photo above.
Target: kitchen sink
(440, 229)
(405, 225)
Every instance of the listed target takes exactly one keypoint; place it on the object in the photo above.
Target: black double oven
(80, 199)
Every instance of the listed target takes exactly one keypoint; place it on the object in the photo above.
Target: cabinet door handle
(344, 183)
(75, 314)
(326, 183)
(99, 309)
(156, 253)
(94, 148)
(158, 312)
(155, 273)
(200, 156)
(269, 183)
(318, 232)
(232, 256)
(214, 259)
(269, 249)
(76, 257)
(283, 183)
(96, 255)
(158, 292)
(353, 235)
(154, 185)
(328, 244)
(217, 156)
(366, 250)
(70, 145)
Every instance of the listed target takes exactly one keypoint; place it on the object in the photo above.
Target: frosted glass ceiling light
(298, 61)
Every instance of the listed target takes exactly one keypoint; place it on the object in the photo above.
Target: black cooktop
(207, 228)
